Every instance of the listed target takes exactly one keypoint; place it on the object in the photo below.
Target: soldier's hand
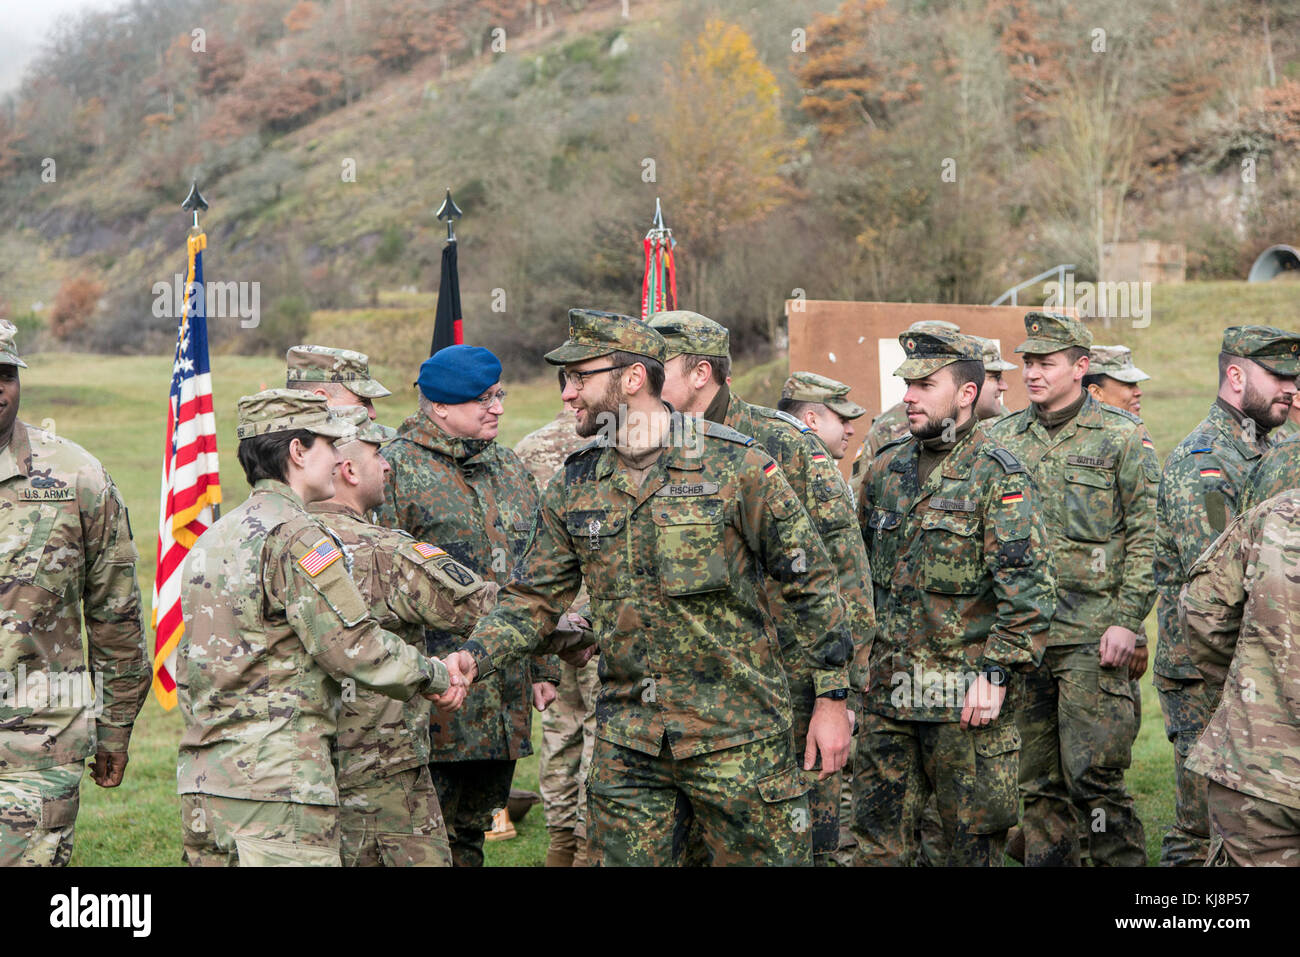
(543, 694)
(1137, 665)
(461, 663)
(1117, 644)
(451, 699)
(983, 703)
(829, 732)
(108, 768)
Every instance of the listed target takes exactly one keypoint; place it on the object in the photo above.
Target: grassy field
(112, 405)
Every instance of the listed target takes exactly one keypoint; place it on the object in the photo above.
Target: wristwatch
(839, 694)
(998, 676)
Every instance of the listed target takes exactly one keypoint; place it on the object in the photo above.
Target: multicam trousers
(230, 832)
(38, 816)
(1249, 831)
(568, 737)
(393, 821)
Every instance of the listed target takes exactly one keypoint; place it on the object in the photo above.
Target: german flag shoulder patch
(1010, 498)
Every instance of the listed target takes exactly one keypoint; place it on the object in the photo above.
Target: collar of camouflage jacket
(331, 507)
(1088, 416)
(421, 430)
(276, 487)
(16, 457)
(681, 449)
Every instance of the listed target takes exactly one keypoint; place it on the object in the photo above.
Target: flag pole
(447, 323)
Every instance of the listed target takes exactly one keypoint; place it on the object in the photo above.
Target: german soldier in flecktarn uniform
(964, 590)
(1096, 473)
(670, 521)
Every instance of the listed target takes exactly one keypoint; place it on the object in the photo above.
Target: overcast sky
(24, 24)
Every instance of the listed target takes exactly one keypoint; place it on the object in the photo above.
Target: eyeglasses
(488, 398)
(580, 378)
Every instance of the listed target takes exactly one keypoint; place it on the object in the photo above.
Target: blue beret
(458, 374)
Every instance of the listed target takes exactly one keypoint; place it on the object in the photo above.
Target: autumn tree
(844, 82)
(74, 304)
(721, 142)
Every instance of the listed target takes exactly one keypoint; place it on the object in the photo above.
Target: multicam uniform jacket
(674, 568)
(475, 499)
(273, 625)
(1200, 488)
(1241, 610)
(65, 542)
(817, 482)
(409, 586)
(1096, 482)
(1277, 470)
(962, 569)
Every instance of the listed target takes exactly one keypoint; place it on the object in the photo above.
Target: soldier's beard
(597, 414)
(1256, 405)
(934, 427)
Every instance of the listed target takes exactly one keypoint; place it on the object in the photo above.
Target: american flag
(191, 487)
(322, 555)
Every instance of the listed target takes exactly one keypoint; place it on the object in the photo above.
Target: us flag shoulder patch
(425, 550)
(1012, 497)
(322, 555)
(770, 467)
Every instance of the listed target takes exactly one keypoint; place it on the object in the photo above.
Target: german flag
(1012, 497)
(1211, 473)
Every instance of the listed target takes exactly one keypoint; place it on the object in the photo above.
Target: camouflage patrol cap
(323, 364)
(1275, 349)
(358, 417)
(8, 347)
(1051, 332)
(593, 334)
(1116, 362)
(992, 355)
(284, 410)
(689, 332)
(928, 352)
(811, 387)
(933, 325)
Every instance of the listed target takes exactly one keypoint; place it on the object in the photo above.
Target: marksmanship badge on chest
(593, 527)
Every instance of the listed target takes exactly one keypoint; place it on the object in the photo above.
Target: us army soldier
(273, 624)
(388, 809)
(1199, 491)
(1242, 637)
(696, 374)
(341, 375)
(1096, 474)
(67, 546)
(964, 590)
(669, 522)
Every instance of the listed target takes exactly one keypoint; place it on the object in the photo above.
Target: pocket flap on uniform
(689, 511)
(1115, 681)
(959, 523)
(1095, 478)
(59, 812)
(784, 785)
(997, 740)
(256, 852)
